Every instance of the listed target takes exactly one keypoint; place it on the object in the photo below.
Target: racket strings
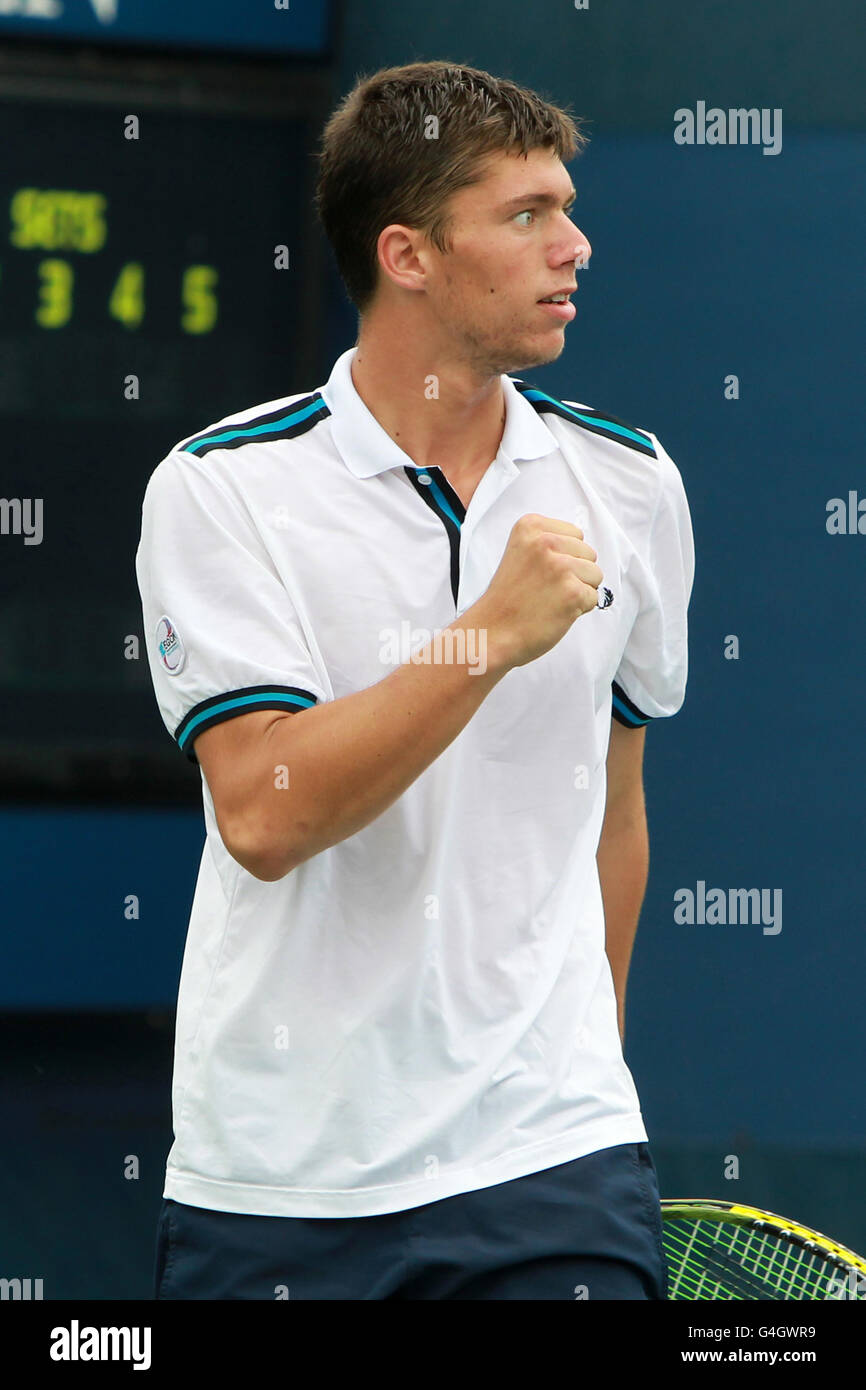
(720, 1260)
(699, 1270)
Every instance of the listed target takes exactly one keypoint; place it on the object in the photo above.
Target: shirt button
(424, 478)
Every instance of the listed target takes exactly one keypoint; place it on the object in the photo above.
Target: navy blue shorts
(588, 1229)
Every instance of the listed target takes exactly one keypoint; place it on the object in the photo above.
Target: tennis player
(411, 626)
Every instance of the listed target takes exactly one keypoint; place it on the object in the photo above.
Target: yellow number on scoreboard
(199, 299)
(126, 303)
(55, 293)
(57, 219)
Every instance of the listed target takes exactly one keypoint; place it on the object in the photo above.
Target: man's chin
(536, 354)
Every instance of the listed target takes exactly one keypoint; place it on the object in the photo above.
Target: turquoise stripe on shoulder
(592, 420)
(286, 423)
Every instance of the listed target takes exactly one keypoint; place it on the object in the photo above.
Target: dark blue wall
(65, 879)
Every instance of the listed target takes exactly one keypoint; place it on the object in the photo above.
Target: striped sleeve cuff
(234, 702)
(624, 710)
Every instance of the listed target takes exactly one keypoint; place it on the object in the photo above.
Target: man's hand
(546, 580)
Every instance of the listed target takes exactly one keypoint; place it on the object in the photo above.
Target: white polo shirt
(427, 1007)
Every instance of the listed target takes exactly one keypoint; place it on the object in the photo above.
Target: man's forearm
(623, 869)
(350, 759)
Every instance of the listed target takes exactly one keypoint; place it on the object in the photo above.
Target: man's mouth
(559, 306)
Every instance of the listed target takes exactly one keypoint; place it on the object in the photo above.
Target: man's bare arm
(623, 853)
(348, 760)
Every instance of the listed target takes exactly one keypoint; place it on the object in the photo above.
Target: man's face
(512, 243)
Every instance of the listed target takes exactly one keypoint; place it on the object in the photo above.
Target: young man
(412, 626)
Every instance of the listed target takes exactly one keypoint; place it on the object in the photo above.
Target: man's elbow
(260, 853)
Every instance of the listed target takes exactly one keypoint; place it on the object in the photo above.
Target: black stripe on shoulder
(285, 423)
(595, 421)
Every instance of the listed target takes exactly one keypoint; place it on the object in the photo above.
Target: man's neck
(438, 412)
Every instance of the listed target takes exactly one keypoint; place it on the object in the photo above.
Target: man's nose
(582, 252)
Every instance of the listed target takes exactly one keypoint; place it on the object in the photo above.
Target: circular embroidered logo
(171, 651)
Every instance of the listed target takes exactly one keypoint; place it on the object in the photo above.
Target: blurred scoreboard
(150, 256)
(160, 267)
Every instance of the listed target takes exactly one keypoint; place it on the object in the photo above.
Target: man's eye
(526, 213)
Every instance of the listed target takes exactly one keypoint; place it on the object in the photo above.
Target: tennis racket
(724, 1250)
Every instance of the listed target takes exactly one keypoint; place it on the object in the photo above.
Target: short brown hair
(377, 164)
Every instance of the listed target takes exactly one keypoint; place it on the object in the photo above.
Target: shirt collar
(367, 449)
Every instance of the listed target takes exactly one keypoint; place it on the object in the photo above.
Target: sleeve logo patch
(171, 649)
